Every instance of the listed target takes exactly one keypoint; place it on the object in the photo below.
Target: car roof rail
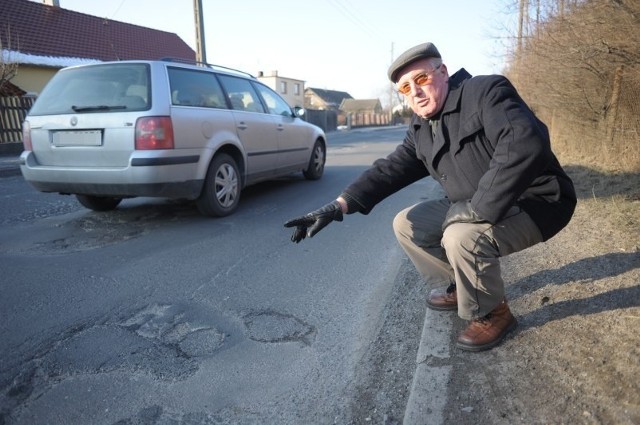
(209, 65)
(183, 60)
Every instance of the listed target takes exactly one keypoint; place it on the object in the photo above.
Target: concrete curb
(9, 166)
(428, 394)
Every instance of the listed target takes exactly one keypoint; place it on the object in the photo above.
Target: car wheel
(316, 162)
(99, 203)
(221, 191)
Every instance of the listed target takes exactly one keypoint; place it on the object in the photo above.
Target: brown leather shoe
(443, 300)
(488, 331)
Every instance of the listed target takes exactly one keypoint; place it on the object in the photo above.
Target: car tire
(99, 203)
(221, 191)
(315, 169)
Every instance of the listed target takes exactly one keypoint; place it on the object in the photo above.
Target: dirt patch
(575, 357)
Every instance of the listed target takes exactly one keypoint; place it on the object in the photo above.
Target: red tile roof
(41, 30)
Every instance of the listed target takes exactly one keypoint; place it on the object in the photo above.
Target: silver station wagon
(115, 130)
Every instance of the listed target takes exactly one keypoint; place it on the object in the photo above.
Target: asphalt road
(154, 314)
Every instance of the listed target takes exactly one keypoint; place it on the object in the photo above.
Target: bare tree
(8, 69)
(578, 60)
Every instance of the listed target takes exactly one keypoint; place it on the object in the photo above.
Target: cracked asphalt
(154, 314)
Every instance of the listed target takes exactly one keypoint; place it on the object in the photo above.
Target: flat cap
(421, 51)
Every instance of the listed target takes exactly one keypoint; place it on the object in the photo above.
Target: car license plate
(77, 138)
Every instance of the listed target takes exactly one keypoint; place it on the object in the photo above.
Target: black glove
(461, 212)
(312, 223)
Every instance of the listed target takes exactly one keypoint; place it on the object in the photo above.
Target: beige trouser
(467, 254)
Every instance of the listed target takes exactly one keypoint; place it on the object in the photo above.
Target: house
(290, 89)
(361, 106)
(42, 38)
(315, 98)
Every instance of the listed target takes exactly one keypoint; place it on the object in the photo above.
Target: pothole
(272, 326)
(63, 234)
(164, 341)
(103, 349)
(191, 329)
(202, 343)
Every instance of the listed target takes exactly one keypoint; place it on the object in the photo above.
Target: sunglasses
(422, 79)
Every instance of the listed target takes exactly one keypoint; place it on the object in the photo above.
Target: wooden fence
(362, 119)
(329, 120)
(13, 110)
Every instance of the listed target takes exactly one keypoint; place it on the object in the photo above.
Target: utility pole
(391, 92)
(201, 50)
(523, 25)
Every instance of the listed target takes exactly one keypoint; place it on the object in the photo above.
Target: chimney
(54, 3)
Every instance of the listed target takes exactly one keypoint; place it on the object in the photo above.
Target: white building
(290, 89)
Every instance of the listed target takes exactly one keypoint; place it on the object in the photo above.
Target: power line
(343, 8)
(116, 11)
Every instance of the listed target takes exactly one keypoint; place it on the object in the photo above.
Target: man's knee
(466, 237)
(401, 224)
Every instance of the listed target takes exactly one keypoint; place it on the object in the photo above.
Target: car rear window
(96, 88)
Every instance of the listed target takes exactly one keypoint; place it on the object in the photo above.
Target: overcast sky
(344, 45)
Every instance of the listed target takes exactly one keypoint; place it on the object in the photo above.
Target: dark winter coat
(489, 148)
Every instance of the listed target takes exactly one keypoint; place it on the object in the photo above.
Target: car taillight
(154, 133)
(26, 136)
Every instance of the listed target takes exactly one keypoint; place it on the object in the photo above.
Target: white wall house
(290, 89)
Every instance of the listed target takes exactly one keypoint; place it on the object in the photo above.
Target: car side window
(241, 94)
(195, 88)
(276, 104)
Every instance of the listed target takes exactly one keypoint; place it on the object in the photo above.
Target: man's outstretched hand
(310, 224)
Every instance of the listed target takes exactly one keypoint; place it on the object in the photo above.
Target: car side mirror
(298, 111)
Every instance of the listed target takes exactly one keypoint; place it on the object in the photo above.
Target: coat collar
(453, 97)
(455, 83)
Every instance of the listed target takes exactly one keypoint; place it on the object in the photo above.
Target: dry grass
(610, 192)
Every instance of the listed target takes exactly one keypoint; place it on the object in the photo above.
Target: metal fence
(13, 111)
(325, 119)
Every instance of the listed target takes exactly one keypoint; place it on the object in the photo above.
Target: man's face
(426, 87)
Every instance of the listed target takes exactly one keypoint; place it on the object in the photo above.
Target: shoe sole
(441, 307)
(487, 346)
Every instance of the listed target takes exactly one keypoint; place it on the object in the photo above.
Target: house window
(283, 87)
(296, 89)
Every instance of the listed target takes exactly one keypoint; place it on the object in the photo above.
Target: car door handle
(242, 125)
(280, 127)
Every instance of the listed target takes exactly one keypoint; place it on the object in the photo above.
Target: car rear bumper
(170, 177)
